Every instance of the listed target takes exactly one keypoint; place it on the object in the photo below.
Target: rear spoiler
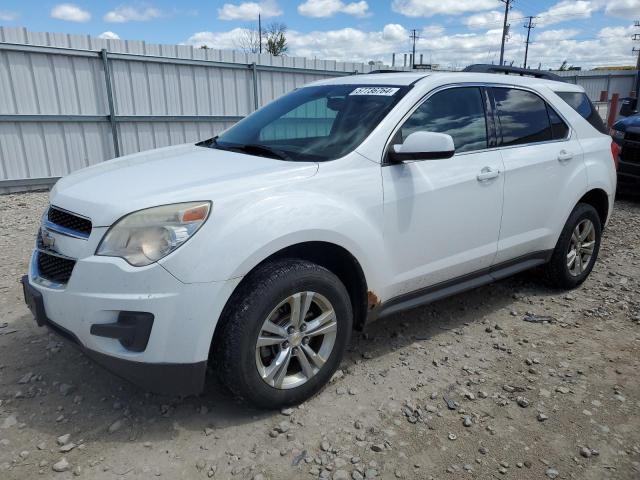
(483, 68)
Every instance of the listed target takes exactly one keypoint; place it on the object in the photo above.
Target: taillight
(615, 153)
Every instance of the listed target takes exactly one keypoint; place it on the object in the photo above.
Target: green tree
(276, 39)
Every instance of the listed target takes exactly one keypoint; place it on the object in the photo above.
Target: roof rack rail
(486, 68)
(385, 70)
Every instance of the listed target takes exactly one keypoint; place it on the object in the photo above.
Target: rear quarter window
(580, 102)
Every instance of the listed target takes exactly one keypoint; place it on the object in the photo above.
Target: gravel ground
(462, 388)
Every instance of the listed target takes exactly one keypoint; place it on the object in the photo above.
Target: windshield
(312, 123)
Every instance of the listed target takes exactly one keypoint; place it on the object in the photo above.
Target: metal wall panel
(596, 81)
(67, 83)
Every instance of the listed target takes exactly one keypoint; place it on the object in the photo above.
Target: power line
(507, 6)
(528, 26)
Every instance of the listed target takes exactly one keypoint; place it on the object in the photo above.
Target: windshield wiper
(258, 149)
(251, 148)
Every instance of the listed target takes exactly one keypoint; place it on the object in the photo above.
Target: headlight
(617, 134)
(146, 236)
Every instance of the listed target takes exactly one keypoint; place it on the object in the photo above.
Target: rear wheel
(284, 333)
(577, 249)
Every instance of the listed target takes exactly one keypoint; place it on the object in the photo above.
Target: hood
(628, 122)
(109, 190)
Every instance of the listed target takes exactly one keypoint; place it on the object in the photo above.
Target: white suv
(260, 250)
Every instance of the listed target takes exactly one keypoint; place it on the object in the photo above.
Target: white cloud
(70, 13)
(109, 36)
(429, 8)
(556, 35)
(328, 8)
(394, 32)
(124, 13)
(220, 40)
(567, 10)
(7, 16)
(550, 47)
(432, 31)
(491, 19)
(249, 10)
(623, 8)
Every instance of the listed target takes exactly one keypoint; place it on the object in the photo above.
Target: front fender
(238, 242)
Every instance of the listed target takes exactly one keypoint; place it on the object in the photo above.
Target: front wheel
(284, 333)
(577, 249)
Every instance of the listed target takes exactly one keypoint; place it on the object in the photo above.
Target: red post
(613, 110)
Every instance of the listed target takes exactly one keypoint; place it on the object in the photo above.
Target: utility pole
(507, 6)
(414, 36)
(260, 33)
(528, 26)
(636, 37)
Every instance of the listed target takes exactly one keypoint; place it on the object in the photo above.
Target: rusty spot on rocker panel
(372, 300)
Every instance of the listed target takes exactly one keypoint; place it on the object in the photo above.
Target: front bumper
(174, 358)
(629, 166)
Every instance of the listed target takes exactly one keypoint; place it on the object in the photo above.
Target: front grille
(69, 220)
(54, 268)
(630, 155)
(633, 136)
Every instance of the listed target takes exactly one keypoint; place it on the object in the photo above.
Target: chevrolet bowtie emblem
(48, 240)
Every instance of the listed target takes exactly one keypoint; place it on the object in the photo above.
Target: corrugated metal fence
(594, 82)
(69, 101)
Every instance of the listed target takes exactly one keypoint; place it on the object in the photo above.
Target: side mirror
(423, 146)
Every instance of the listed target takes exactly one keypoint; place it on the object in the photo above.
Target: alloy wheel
(295, 340)
(581, 247)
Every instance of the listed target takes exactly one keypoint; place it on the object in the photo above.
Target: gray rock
(283, 427)
(64, 439)
(61, 466)
(466, 421)
(523, 402)
(67, 447)
(65, 389)
(552, 473)
(115, 426)
(341, 475)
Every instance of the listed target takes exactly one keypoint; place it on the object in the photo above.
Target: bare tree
(248, 40)
(276, 39)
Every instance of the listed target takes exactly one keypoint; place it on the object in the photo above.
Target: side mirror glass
(423, 146)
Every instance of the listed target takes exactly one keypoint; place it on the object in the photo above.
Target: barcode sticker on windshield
(384, 91)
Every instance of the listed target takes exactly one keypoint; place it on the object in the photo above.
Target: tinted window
(456, 111)
(315, 123)
(523, 116)
(309, 120)
(581, 104)
(559, 129)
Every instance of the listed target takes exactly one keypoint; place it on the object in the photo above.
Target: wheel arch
(599, 200)
(335, 258)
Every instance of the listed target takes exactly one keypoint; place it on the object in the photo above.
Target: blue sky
(452, 32)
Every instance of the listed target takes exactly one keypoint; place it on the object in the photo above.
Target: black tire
(234, 348)
(557, 271)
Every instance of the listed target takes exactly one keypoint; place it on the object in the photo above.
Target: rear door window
(559, 129)
(581, 104)
(523, 117)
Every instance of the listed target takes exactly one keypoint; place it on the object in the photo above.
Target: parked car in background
(626, 135)
(347, 200)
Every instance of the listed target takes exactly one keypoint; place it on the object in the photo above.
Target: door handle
(564, 156)
(487, 173)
